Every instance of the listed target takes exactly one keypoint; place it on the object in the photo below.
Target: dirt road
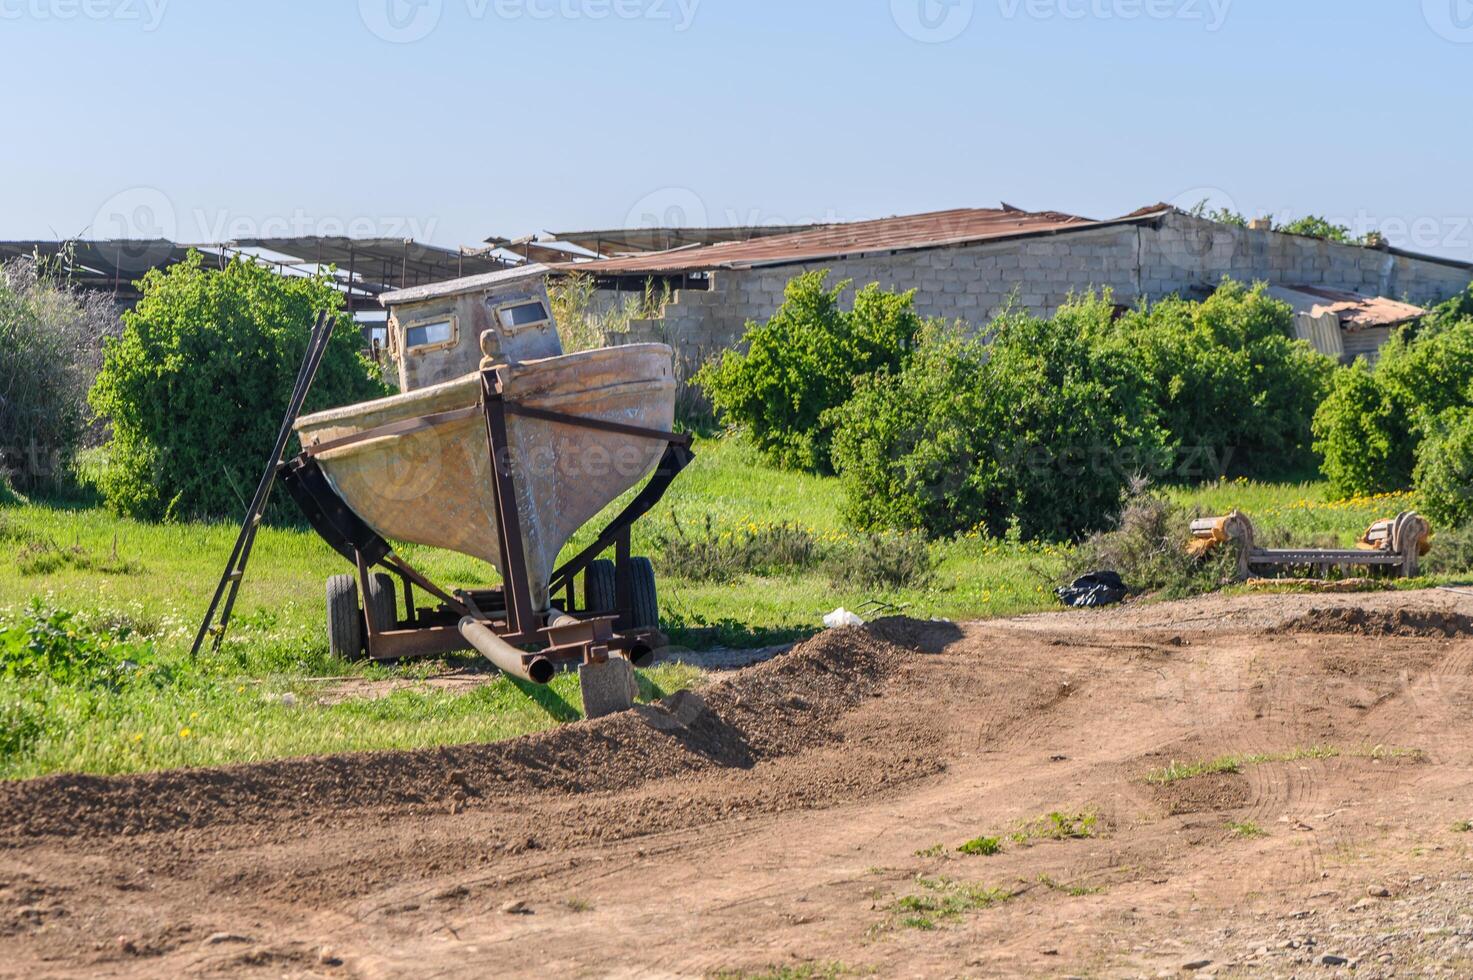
(806, 813)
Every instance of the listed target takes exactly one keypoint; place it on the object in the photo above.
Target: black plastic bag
(1094, 589)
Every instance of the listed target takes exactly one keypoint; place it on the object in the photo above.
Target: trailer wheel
(344, 620)
(382, 606)
(600, 593)
(643, 602)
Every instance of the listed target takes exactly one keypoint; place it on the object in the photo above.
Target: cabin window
(522, 315)
(429, 334)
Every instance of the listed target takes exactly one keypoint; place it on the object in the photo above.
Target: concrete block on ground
(608, 688)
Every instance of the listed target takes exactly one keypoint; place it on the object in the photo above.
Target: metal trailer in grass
(505, 464)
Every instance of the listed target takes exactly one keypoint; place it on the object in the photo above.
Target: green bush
(52, 644)
(1314, 226)
(50, 334)
(1233, 387)
(196, 386)
(882, 561)
(1452, 551)
(803, 363)
(1149, 549)
(1363, 435)
(709, 555)
(1040, 431)
(1444, 473)
(1370, 426)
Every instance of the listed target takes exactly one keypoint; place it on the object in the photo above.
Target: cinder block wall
(973, 283)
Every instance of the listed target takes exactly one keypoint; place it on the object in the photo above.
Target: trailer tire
(644, 603)
(600, 590)
(382, 604)
(344, 619)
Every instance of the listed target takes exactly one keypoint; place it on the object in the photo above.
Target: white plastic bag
(841, 617)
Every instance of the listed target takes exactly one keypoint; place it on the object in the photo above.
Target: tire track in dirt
(739, 829)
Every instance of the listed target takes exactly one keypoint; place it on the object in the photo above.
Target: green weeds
(1177, 771)
(942, 899)
(1075, 891)
(984, 846)
(1058, 826)
(1246, 829)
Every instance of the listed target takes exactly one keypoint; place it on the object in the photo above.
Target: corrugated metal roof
(936, 229)
(1356, 312)
(390, 262)
(110, 266)
(468, 284)
(614, 241)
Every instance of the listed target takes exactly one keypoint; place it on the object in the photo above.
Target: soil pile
(786, 705)
(1412, 623)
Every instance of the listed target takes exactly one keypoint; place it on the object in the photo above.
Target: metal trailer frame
(566, 635)
(1395, 545)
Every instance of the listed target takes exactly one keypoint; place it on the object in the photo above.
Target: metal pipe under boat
(503, 654)
(557, 617)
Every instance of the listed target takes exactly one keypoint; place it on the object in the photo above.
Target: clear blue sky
(205, 120)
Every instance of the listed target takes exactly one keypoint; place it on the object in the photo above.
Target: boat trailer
(615, 618)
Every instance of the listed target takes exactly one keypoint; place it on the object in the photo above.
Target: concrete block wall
(1188, 252)
(973, 283)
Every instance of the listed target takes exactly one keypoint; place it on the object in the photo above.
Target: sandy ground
(782, 816)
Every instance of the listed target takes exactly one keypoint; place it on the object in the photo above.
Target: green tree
(1313, 226)
(1040, 430)
(1232, 386)
(196, 385)
(804, 361)
(1370, 426)
(50, 336)
(1444, 473)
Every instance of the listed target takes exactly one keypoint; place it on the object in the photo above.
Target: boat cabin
(442, 331)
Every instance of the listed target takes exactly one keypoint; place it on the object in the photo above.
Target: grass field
(267, 692)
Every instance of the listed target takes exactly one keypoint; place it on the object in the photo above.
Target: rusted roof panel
(931, 230)
(615, 241)
(467, 284)
(1356, 312)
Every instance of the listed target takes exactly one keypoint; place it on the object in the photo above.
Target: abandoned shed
(969, 264)
(1345, 325)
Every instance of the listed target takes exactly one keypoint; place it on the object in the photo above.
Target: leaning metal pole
(239, 555)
